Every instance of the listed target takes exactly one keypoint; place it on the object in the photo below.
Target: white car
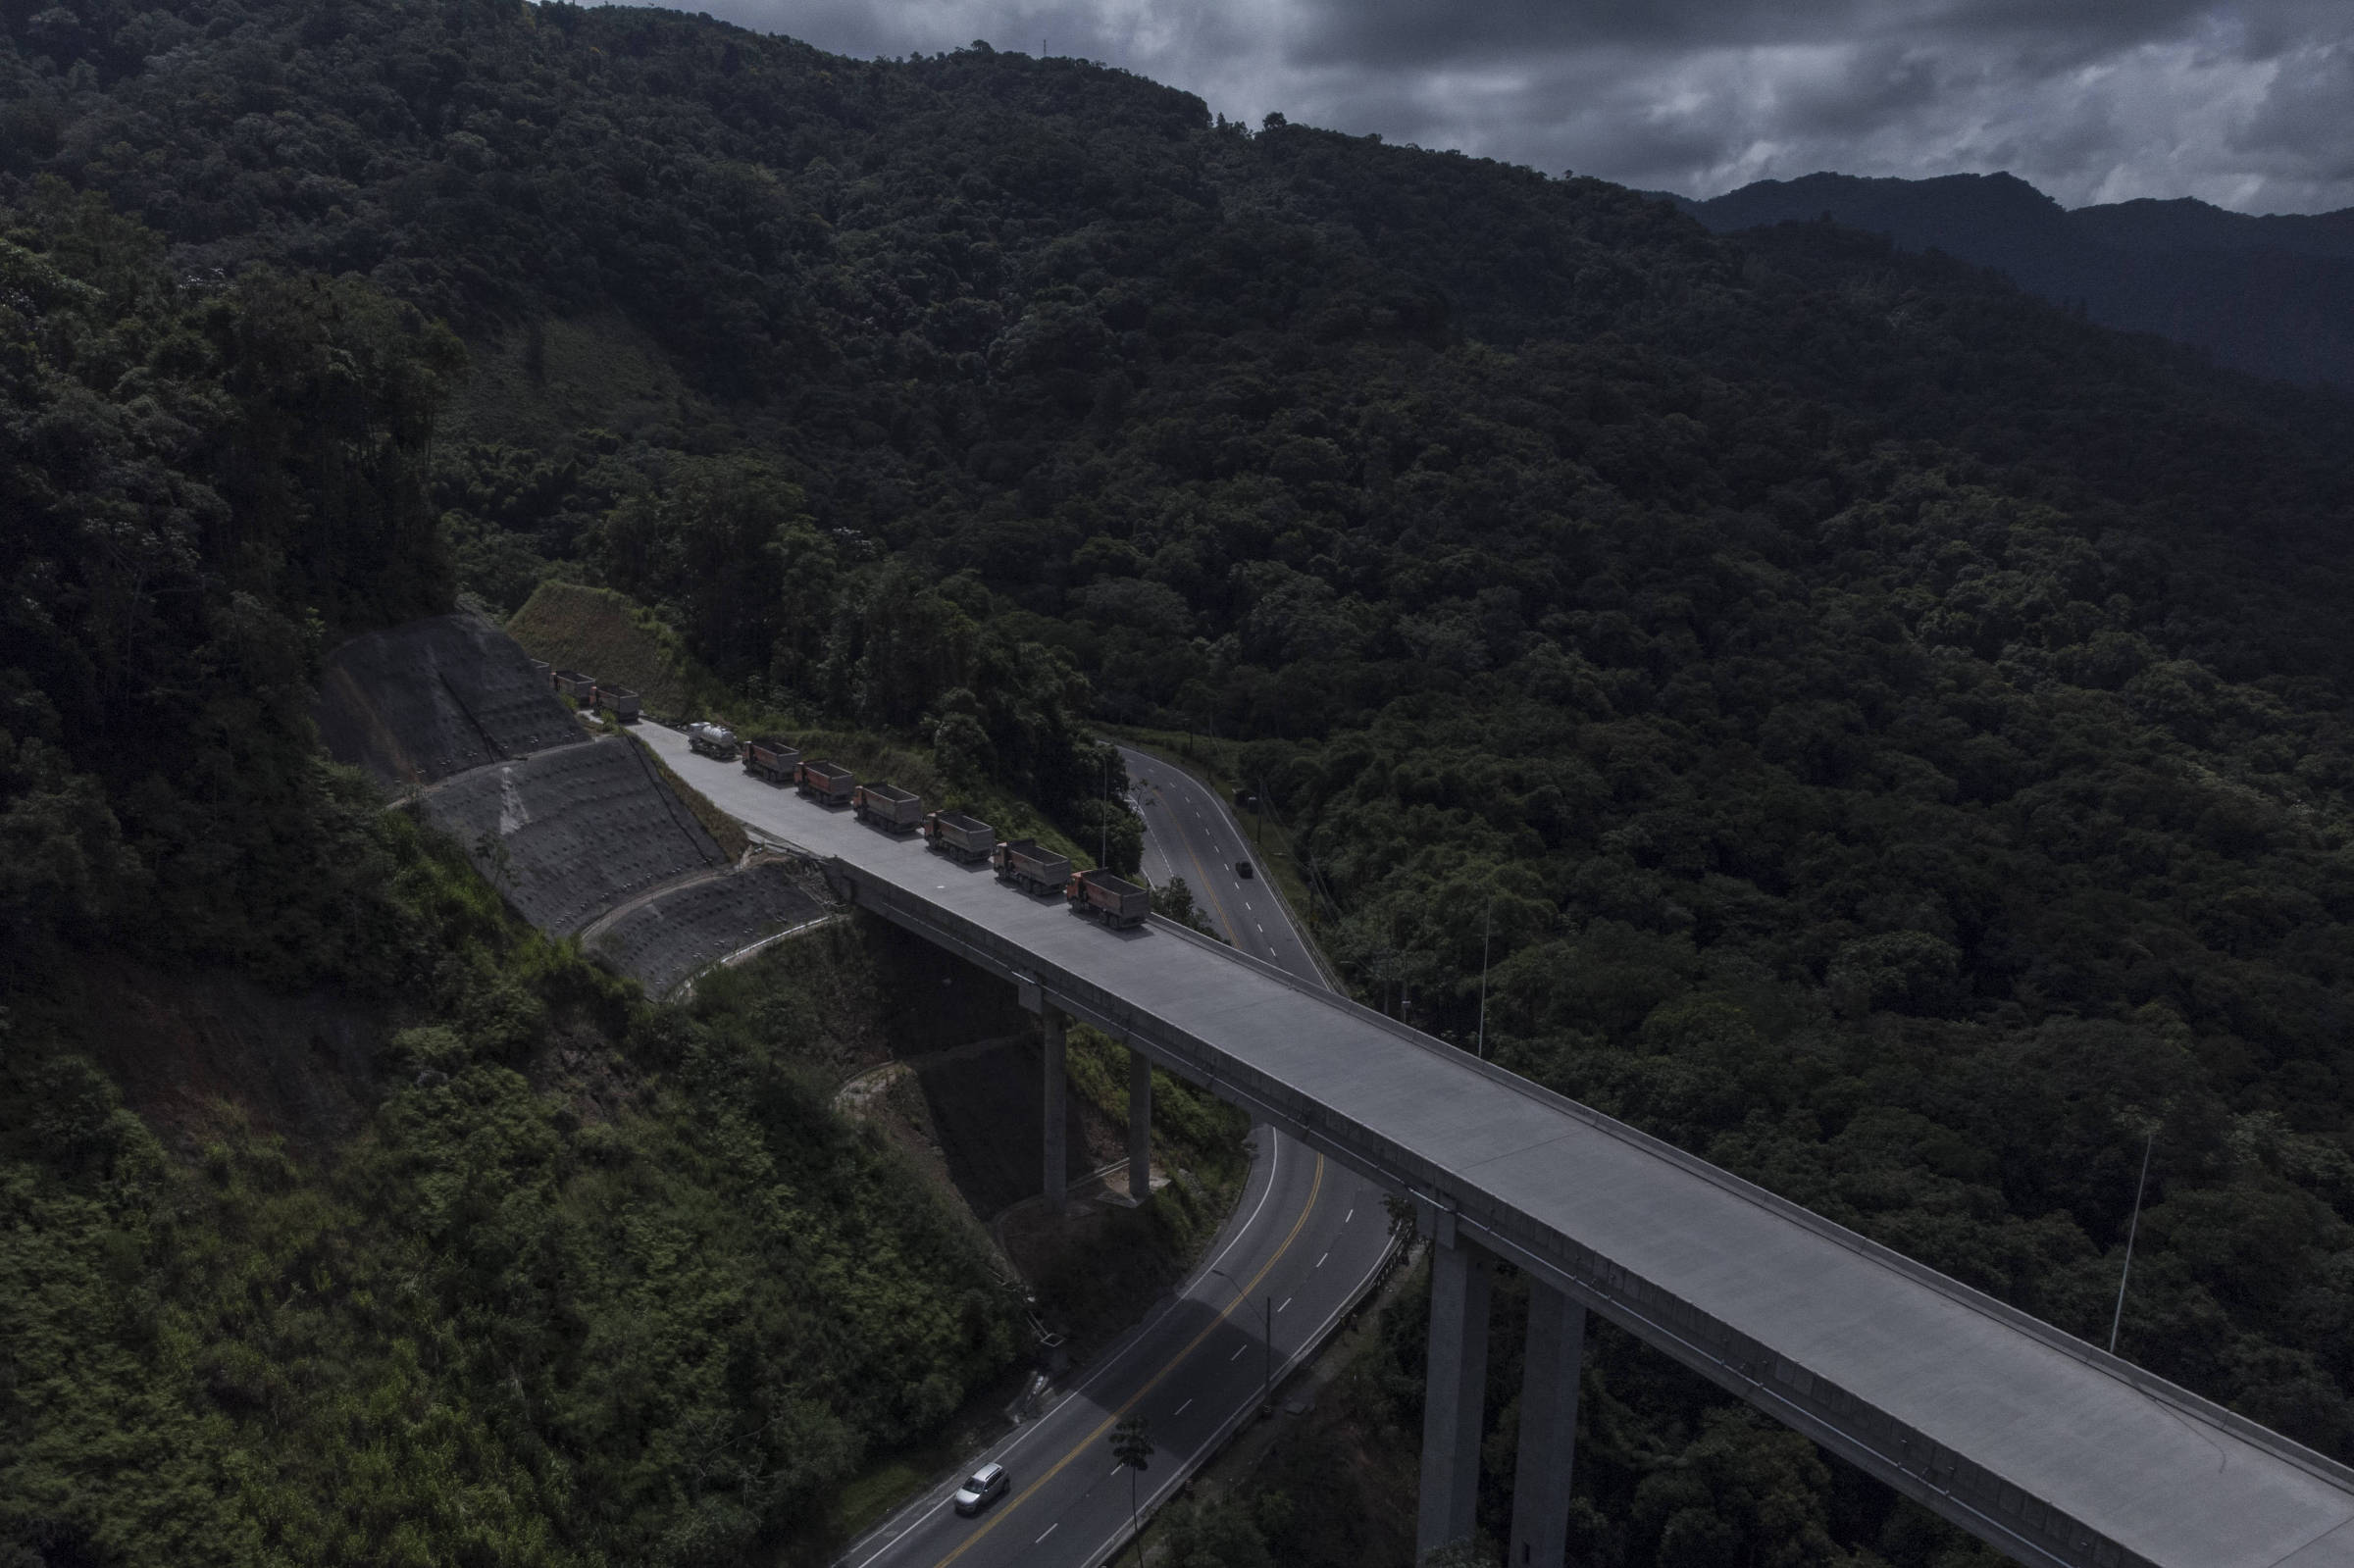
(982, 1487)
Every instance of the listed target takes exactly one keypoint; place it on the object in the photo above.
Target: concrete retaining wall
(569, 834)
(673, 935)
(418, 704)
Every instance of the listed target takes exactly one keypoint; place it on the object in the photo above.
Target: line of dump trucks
(1022, 863)
(589, 692)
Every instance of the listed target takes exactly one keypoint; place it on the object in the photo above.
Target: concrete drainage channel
(576, 832)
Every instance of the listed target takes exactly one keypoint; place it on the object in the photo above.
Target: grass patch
(881, 1488)
(725, 831)
(613, 638)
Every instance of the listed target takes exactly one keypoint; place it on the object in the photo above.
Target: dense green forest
(1899, 733)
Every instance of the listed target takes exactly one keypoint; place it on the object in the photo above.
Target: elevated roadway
(1303, 1243)
(2036, 1443)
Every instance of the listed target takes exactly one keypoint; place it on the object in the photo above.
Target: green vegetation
(575, 627)
(597, 1283)
(1136, 1254)
(594, 1282)
(1898, 733)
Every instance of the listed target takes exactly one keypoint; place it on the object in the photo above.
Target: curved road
(1304, 1242)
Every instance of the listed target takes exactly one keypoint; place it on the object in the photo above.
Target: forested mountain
(1901, 728)
(2272, 295)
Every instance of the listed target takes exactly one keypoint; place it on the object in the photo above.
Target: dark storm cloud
(2244, 105)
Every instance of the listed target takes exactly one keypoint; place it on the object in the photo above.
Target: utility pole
(1132, 1448)
(1266, 1388)
(1486, 928)
(2118, 1318)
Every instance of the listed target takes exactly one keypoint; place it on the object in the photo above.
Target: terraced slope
(569, 834)
(670, 937)
(418, 704)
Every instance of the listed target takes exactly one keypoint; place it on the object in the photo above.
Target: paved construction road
(1304, 1240)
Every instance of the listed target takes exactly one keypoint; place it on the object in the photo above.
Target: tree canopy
(1899, 735)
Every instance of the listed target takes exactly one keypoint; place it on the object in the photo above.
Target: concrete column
(1140, 1126)
(1556, 1348)
(1057, 1159)
(1452, 1394)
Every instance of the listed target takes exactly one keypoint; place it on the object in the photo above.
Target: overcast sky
(2250, 105)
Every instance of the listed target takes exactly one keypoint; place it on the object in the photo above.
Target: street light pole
(2117, 1319)
(1266, 1395)
(1486, 928)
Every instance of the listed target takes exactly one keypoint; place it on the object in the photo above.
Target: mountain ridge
(2272, 294)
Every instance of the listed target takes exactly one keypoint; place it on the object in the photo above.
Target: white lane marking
(1286, 1302)
(1350, 1215)
(1101, 1373)
(1116, 1469)
(1050, 1529)
(1175, 1473)
(1181, 1409)
(1245, 902)
(1320, 1261)
(1238, 1354)
(1262, 930)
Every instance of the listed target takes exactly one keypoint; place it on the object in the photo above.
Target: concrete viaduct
(2036, 1443)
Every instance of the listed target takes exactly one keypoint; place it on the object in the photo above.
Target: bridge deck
(2032, 1439)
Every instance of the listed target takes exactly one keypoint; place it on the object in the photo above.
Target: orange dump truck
(771, 759)
(827, 782)
(887, 806)
(1030, 866)
(1118, 904)
(959, 837)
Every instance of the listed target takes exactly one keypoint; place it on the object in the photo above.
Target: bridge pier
(1454, 1390)
(1140, 1126)
(1556, 1345)
(1050, 1028)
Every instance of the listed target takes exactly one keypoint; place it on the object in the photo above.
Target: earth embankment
(418, 704)
(665, 938)
(574, 832)
(569, 834)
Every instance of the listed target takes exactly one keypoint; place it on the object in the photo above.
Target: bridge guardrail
(1803, 1397)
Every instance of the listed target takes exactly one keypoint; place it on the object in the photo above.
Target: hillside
(2270, 295)
(1898, 733)
(574, 627)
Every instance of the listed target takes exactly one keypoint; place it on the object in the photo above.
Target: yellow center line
(1207, 892)
(1084, 1444)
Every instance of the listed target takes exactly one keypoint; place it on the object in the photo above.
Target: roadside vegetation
(1891, 738)
(585, 1281)
(1091, 1291)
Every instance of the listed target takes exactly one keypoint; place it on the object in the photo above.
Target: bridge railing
(1803, 1397)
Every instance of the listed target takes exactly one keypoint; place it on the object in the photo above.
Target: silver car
(982, 1487)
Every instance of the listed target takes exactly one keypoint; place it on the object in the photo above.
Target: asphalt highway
(1305, 1238)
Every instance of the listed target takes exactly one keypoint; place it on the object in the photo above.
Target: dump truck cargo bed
(965, 839)
(829, 782)
(1119, 903)
(887, 806)
(771, 759)
(1031, 867)
(620, 701)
